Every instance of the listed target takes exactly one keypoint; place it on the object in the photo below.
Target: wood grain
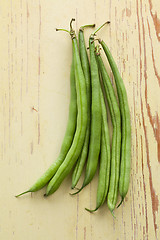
(34, 98)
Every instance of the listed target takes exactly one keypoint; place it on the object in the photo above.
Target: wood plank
(34, 98)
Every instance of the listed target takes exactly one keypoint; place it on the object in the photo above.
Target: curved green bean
(104, 170)
(67, 141)
(95, 137)
(116, 136)
(80, 133)
(86, 70)
(125, 165)
(95, 134)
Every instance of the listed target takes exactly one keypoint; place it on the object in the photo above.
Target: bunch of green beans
(87, 145)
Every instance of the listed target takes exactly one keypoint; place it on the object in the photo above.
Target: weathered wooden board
(34, 97)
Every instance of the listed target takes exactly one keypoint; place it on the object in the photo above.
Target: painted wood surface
(34, 98)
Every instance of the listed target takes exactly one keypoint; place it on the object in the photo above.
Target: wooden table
(34, 97)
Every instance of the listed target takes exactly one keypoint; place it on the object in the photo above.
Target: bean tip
(112, 212)
(76, 192)
(90, 210)
(120, 202)
(18, 195)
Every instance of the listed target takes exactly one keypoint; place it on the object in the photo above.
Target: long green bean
(67, 141)
(80, 133)
(126, 125)
(116, 136)
(86, 70)
(104, 170)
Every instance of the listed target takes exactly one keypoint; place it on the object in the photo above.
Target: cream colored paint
(34, 68)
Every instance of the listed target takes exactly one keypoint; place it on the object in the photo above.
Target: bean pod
(76, 147)
(104, 169)
(126, 125)
(96, 118)
(116, 135)
(67, 141)
(86, 70)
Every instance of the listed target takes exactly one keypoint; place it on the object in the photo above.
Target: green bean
(67, 141)
(95, 135)
(116, 136)
(86, 70)
(80, 133)
(104, 170)
(126, 126)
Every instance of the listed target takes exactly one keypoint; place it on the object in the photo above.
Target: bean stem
(86, 26)
(100, 27)
(62, 29)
